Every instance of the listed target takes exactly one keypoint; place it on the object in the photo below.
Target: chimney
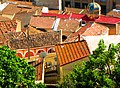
(36, 12)
(18, 28)
(118, 28)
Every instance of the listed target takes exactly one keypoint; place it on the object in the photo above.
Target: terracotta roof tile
(4, 37)
(54, 11)
(68, 25)
(8, 26)
(24, 17)
(11, 9)
(96, 29)
(21, 2)
(75, 10)
(36, 40)
(114, 14)
(81, 30)
(42, 22)
(4, 18)
(70, 52)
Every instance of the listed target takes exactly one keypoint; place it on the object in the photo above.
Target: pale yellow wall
(9, 16)
(64, 70)
(18, 29)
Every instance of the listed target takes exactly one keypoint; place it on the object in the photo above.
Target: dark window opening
(103, 9)
(67, 4)
(77, 5)
(114, 5)
(41, 29)
(64, 37)
(51, 51)
(84, 5)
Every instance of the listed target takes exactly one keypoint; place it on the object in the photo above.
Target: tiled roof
(8, 26)
(11, 9)
(42, 22)
(24, 17)
(107, 20)
(68, 25)
(33, 30)
(114, 14)
(75, 10)
(54, 11)
(37, 63)
(74, 16)
(4, 18)
(117, 4)
(70, 52)
(4, 37)
(36, 40)
(20, 2)
(96, 29)
(81, 30)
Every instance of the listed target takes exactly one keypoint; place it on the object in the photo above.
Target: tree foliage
(101, 71)
(14, 71)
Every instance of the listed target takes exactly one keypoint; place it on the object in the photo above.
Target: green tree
(101, 71)
(15, 72)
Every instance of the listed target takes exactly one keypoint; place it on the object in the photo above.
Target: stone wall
(52, 4)
(37, 40)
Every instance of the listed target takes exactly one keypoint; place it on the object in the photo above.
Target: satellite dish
(43, 54)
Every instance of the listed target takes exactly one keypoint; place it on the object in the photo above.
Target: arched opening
(31, 54)
(40, 52)
(51, 51)
(19, 55)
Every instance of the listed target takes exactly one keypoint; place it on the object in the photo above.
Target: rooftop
(96, 29)
(74, 16)
(68, 10)
(8, 26)
(68, 25)
(107, 20)
(70, 52)
(24, 17)
(12, 9)
(42, 22)
(36, 40)
(114, 13)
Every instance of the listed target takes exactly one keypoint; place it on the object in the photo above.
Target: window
(103, 0)
(67, 4)
(77, 5)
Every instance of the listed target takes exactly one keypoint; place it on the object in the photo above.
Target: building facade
(106, 5)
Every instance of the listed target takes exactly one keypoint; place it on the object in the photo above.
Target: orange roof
(42, 22)
(70, 52)
(114, 14)
(81, 30)
(21, 2)
(8, 26)
(4, 18)
(68, 25)
(11, 9)
(96, 29)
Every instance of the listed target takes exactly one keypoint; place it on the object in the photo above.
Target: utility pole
(28, 40)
